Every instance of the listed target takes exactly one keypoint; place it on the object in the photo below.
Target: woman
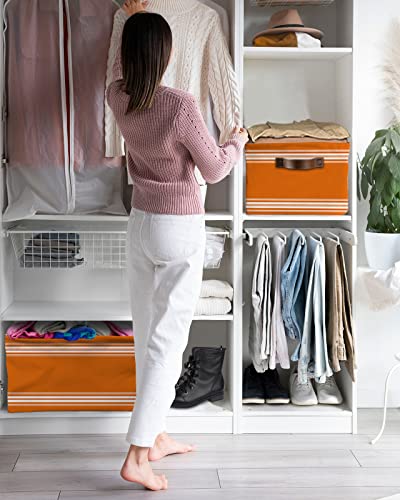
(166, 137)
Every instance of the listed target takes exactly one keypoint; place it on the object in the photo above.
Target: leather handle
(299, 164)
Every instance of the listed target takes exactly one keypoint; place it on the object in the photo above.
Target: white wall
(378, 333)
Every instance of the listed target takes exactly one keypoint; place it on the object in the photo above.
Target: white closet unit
(277, 85)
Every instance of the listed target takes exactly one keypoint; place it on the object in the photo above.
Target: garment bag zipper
(65, 98)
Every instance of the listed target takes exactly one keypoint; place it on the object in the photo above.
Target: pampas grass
(391, 70)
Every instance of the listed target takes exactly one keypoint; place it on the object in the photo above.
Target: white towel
(216, 288)
(213, 306)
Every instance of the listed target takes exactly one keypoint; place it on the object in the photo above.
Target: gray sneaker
(302, 394)
(328, 393)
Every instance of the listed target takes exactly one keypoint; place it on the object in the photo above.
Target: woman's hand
(242, 133)
(134, 6)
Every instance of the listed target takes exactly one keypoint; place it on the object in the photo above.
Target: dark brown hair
(145, 52)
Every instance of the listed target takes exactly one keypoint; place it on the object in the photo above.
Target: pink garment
(121, 332)
(26, 331)
(164, 144)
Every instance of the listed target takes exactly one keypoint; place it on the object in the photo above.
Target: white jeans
(165, 268)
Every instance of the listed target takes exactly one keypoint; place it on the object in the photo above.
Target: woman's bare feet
(165, 445)
(137, 469)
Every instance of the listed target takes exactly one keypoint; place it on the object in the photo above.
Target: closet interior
(277, 85)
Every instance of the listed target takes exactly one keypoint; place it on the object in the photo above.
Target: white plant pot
(382, 249)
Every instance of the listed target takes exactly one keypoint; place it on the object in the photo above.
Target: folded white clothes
(216, 288)
(213, 306)
(306, 41)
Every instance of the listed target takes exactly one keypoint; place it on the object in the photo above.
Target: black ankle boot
(202, 380)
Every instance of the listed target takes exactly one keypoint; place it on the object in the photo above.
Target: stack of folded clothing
(52, 250)
(286, 29)
(323, 131)
(67, 330)
(215, 298)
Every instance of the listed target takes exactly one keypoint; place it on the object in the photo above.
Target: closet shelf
(219, 409)
(217, 215)
(293, 410)
(324, 54)
(79, 311)
(316, 218)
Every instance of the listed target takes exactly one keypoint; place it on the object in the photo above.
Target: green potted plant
(379, 176)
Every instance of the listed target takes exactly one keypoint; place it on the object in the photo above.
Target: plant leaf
(395, 138)
(364, 185)
(387, 193)
(374, 148)
(394, 166)
(395, 215)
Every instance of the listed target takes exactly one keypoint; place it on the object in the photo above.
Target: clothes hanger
(283, 236)
(333, 237)
(316, 236)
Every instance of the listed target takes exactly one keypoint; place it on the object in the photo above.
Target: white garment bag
(56, 59)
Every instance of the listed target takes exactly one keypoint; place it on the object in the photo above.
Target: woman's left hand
(134, 6)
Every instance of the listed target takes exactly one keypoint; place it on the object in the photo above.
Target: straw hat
(288, 21)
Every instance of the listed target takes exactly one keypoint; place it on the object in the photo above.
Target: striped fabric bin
(56, 375)
(297, 177)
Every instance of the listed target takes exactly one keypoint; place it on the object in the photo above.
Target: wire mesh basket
(55, 249)
(85, 247)
(290, 3)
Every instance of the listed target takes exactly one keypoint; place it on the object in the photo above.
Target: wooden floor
(246, 467)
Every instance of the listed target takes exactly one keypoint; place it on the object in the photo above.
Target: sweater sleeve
(214, 162)
(113, 137)
(222, 82)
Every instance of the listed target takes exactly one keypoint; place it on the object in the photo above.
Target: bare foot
(143, 474)
(165, 445)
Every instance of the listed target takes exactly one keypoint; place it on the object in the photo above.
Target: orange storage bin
(56, 375)
(297, 177)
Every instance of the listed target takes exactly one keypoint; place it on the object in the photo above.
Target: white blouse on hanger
(200, 64)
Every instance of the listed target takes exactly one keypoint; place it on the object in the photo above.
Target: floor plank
(43, 495)
(203, 442)
(7, 461)
(370, 420)
(308, 478)
(96, 480)
(239, 494)
(197, 460)
(378, 458)
(47, 444)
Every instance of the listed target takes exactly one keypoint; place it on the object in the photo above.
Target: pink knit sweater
(164, 144)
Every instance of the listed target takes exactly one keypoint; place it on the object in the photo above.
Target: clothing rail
(343, 235)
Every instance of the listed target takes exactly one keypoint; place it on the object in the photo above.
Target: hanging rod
(343, 235)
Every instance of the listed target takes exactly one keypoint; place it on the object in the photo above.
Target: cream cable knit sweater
(201, 64)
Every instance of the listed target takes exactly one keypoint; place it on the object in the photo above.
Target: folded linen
(26, 331)
(116, 329)
(216, 288)
(50, 326)
(299, 40)
(213, 306)
(76, 333)
(304, 128)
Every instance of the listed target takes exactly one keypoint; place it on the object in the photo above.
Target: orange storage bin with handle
(297, 177)
(56, 375)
